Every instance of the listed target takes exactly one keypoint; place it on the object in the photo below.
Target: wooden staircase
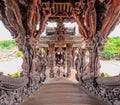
(61, 92)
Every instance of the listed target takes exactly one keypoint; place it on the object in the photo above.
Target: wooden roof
(92, 16)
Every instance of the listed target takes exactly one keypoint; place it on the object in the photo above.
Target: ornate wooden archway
(26, 20)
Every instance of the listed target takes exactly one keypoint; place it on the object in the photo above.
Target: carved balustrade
(15, 90)
(106, 89)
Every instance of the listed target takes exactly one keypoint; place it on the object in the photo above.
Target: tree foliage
(112, 48)
(7, 44)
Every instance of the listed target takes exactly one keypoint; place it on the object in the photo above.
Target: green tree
(112, 48)
(7, 44)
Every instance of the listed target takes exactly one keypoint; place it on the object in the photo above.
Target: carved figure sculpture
(91, 18)
(14, 16)
(77, 14)
(28, 55)
(39, 65)
(33, 16)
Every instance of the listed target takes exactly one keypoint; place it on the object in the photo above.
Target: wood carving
(112, 18)
(78, 15)
(95, 18)
(77, 66)
(33, 17)
(28, 56)
(95, 47)
(20, 42)
(5, 21)
(45, 14)
(13, 15)
(82, 66)
(91, 18)
(102, 7)
(51, 59)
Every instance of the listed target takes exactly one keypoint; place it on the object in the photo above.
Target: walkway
(61, 92)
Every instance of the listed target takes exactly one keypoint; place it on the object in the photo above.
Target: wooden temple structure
(27, 19)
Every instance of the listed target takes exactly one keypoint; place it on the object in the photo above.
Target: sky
(5, 34)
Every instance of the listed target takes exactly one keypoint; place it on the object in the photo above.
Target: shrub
(15, 75)
(19, 54)
(7, 44)
(107, 75)
(112, 48)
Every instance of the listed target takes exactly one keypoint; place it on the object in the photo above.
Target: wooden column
(28, 57)
(95, 47)
(73, 57)
(69, 58)
(46, 52)
(82, 63)
(77, 66)
(52, 59)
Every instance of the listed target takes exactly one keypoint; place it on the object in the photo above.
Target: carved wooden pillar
(34, 45)
(52, 59)
(28, 57)
(80, 63)
(77, 66)
(20, 41)
(95, 47)
(83, 63)
(46, 52)
(73, 57)
(69, 58)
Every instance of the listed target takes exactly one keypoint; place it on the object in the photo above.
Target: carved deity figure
(69, 64)
(39, 65)
(28, 55)
(91, 18)
(83, 63)
(44, 15)
(20, 40)
(33, 16)
(78, 15)
(95, 47)
(13, 15)
(77, 63)
(33, 42)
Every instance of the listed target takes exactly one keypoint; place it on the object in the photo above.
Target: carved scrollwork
(95, 46)
(33, 17)
(111, 18)
(102, 7)
(13, 15)
(90, 18)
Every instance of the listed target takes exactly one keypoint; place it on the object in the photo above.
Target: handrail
(12, 83)
(87, 76)
(110, 81)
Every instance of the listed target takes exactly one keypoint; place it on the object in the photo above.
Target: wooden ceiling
(21, 17)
